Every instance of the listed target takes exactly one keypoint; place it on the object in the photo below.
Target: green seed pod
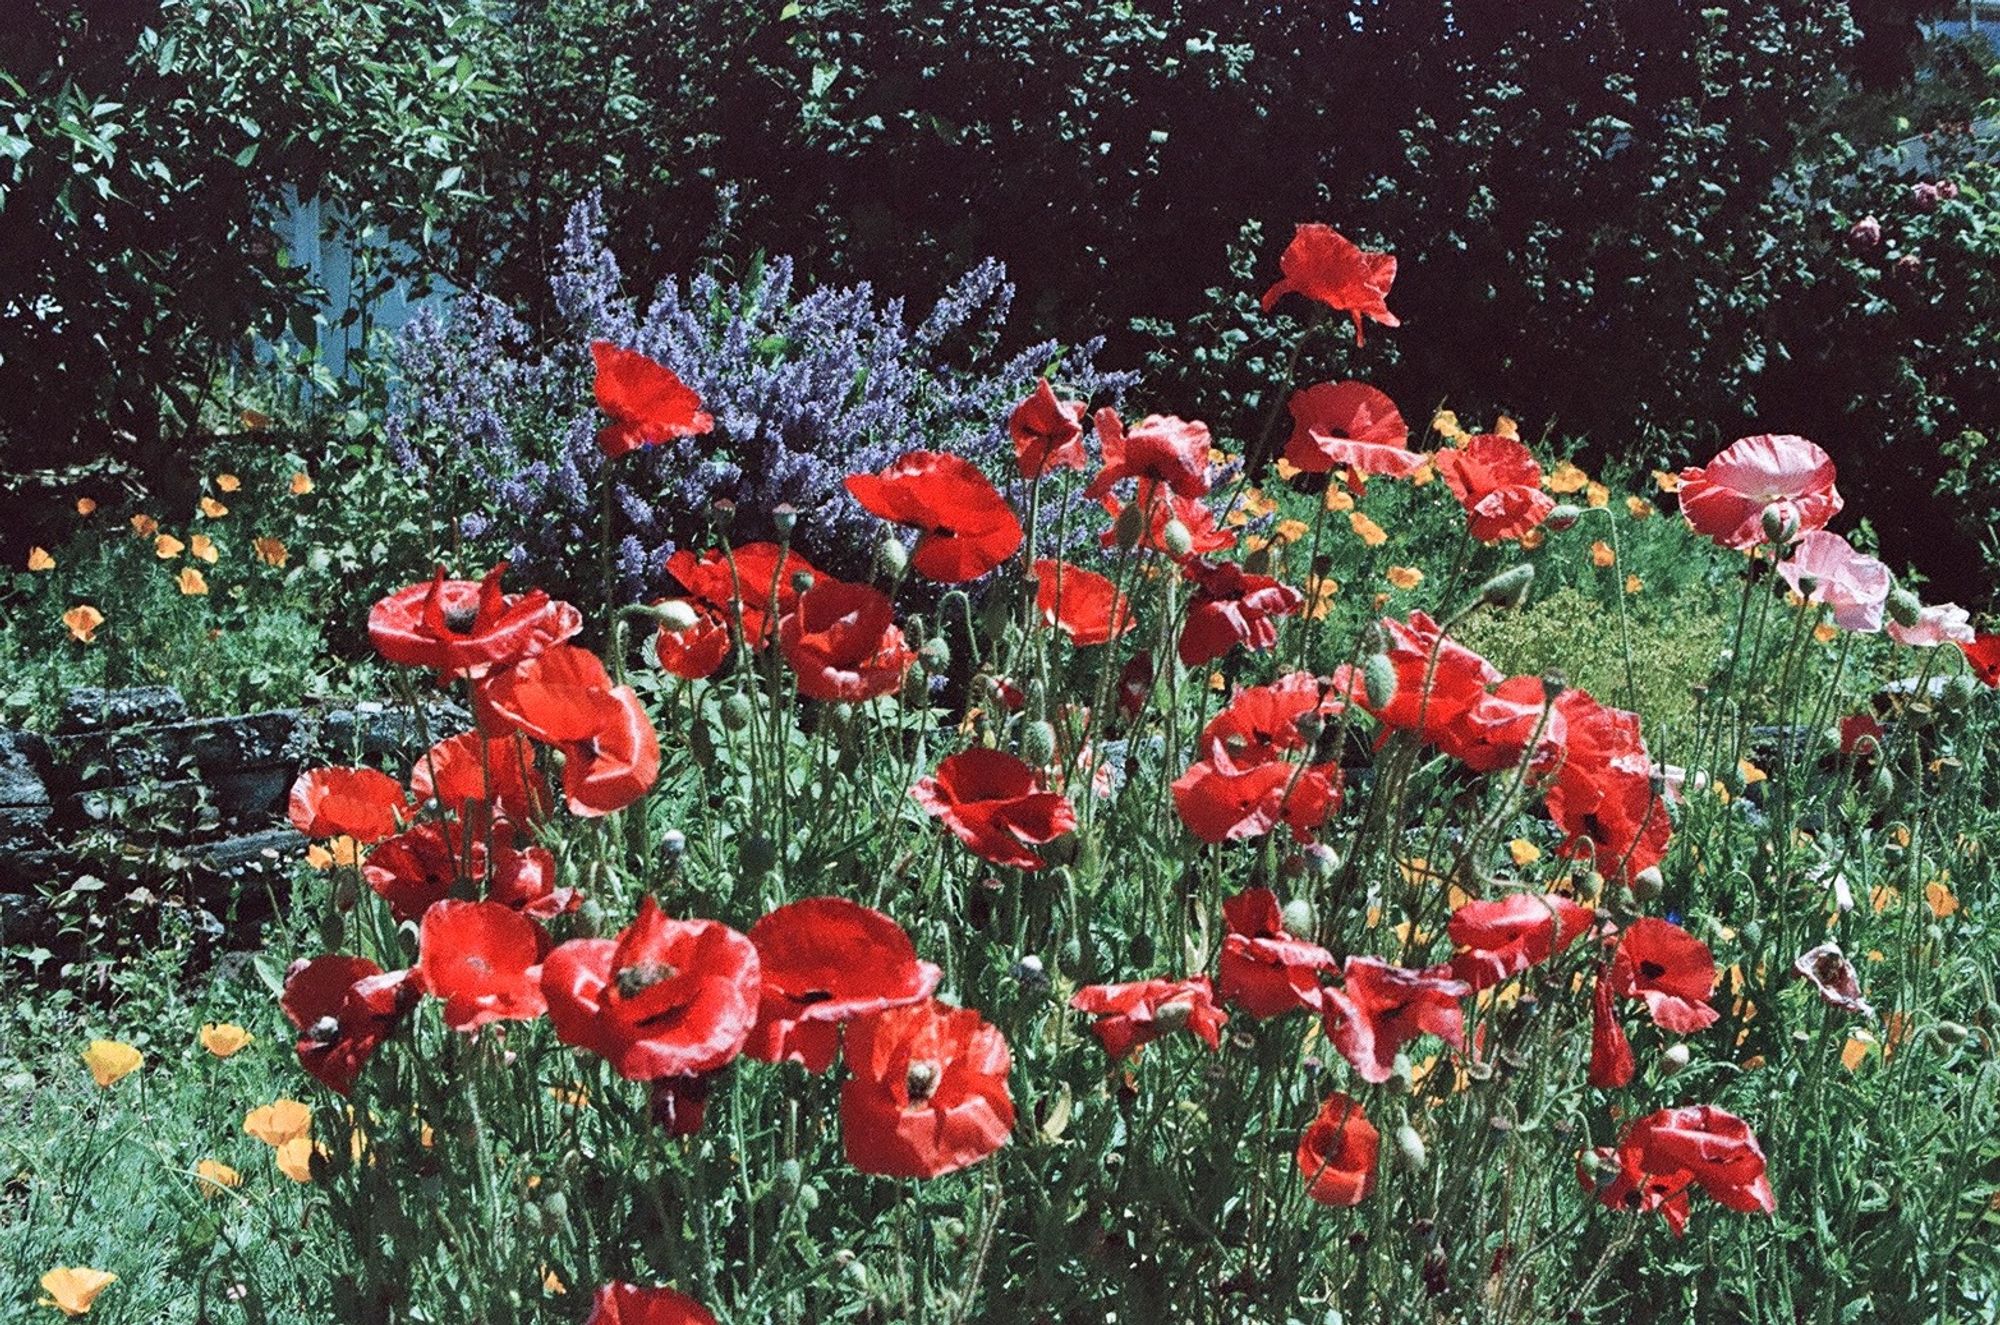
(892, 559)
(1950, 1032)
(1176, 539)
(916, 687)
(1129, 527)
(1297, 917)
(1781, 523)
(1905, 609)
(737, 712)
(790, 1178)
(1378, 679)
(1509, 588)
(1648, 884)
(936, 653)
(1038, 744)
(1410, 1155)
(757, 854)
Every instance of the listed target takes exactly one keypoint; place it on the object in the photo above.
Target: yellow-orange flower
(278, 1122)
(1320, 593)
(145, 526)
(294, 1158)
(213, 509)
(1533, 539)
(1939, 896)
(1597, 494)
(191, 582)
(39, 559)
(270, 551)
(203, 547)
(111, 1061)
(1338, 498)
(227, 482)
(1404, 577)
(71, 1289)
(1633, 584)
(1523, 852)
(166, 547)
(1287, 470)
(212, 1175)
(1601, 554)
(1445, 424)
(1666, 480)
(301, 483)
(1638, 507)
(1423, 474)
(1565, 478)
(86, 505)
(224, 1038)
(83, 622)
(342, 851)
(1290, 531)
(1369, 532)
(1506, 427)
(1825, 633)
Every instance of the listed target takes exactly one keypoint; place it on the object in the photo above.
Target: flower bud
(1321, 859)
(1038, 744)
(936, 653)
(892, 559)
(675, 615)
(1950, 1032)
(1129, 528)
(757, 854)
(916, 687)
(1378, 679)
(1410, 1156)
(1865, 233)
(1509, 587)
(1648, 884)
(674, 843)
(1309, 725)
(1564, 517)
(801, 581)
(737, 712)
(1176, 539)
(1674, 1059)
(1297, 917)
(1402, 1077)
(701, 743)
(1904, 607)
(345, 893)
(1781, 523)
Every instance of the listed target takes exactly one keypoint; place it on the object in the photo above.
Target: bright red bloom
(629, 1304)
(616, 766)
(1505, 936)
(826, 960)
(344, 1008)
(1332, 270)
(1861, 734)
(647, 403)
(1611, 1061)
(1163, 506)
(665, 998)
(758, 580)
(696, 651)
(1231, 607)
(1084, 605)
(1663, 1154)
(1380, 1008)
(1670, 969)
(843, 643)
(1983, 654)
(467, 627)
(1603, 796)
(484, 960)
(1349, 425)
(966, 526)
(362, 803)
(928, 1091)
(1634, 1190)
(1337, 1153)
(466, 774)
(996, 805)
(1264, 970)
(416, 868)
(1047, 432)
(1163, 449)
(1437, 679)
(679, 1105)
(1494, 731)
(559, 697)
(525, 879)
(1726, 499)
(1498, 483)
(1244, 786)
(1131, 1016)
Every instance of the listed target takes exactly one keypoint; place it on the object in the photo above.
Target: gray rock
(91, 709)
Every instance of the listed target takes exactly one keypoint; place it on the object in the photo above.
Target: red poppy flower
(1231, 607)
(928, 1091)
(996, 805)
(679, 1105)
(1611, 1063)
(1603, 797)
(1505, 936)
(1337, 1153)
(1663, 1154)
(695, 651)
(759, 581)
(826, 960)
(618, 764)
(647, 403)
(1047, 432)
(1861, 734)
(665, 998)
(1084, 605)
(1244, 787)
(629, 1304)
(484, 960)
(1162, 449)
(843, 643)
(524, 879)
(1494, 731)
(1349, 425)
(1163, 506)
(465, 627)
(1332, 270)
(467, 773)
(1636, 1191)
(1131, 1016)
(416, 868)
(559, 697)
(1135, 684)
(344, 1008)
(1437, 679)
(1498, 483)
(1828, 971)
(1264, 970)
(1726, 499)
(360, 803)
(1380, 1008)
(1983, 654)
(966, 526)
(1670, 969)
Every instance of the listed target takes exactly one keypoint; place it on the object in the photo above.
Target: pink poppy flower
(1856, 586)
(1726, 498)
(1947, 623)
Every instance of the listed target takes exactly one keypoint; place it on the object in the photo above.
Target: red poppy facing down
(618, 764)
(665, 998)
(1332, 270)
(647, 403)
(1725, 500)
(1380, 1008)
(467, 776)
(1498, 483)
(1670, 969)
(1349, 425)
(1611, 1061)
(1245, 786)
(416, 869)
(1501, 938)
(484, 960)
(928, 1091)
(1229, 608)
(361, 803)
(843, 643)
(1161, 449)
(1264, 970)
(465, 627)
(558, 697)
(1337, 1153)
(1494, 731)
(629, 1304)
(1131, 1016)
(1082, 604)
(344, 1008)
(966, 527)
(1603, 797)
(1047, 432)
(995, 804)
(826, 960)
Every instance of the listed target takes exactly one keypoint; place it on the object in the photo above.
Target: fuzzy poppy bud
(701, 744)
(1410, 1154)
(1402, 1077)
(784, 519)
(892, 559)
(1141, 948)
(1258, 562)
(332, 931)
(1308, 725)
(1904, 607)
(1553, 685)
(675, 615)
(1882, 787)
(590, 918)
(345, 893)
(1038, 744)
(1509, 587)
(1297, 917)
(1321, 860)
(1176, 539)
(758, 854)
(1950, 1032)
(1129, 527)
(674, 842)
(1378, 679)
(1781, 523)
(1038, 698)
(737, 712)
(839, 718)
(1648, 884)
(790, 1177)
(916, 687)
(1957, 694)
(936, 653)
(1564, 517)
(1674, 1059)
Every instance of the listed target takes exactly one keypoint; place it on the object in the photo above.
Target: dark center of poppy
(460, 618)
(479, 965)
(811, 996)
(637, 979)
(324, 1031)
(1173, 1016)
(922, 1079)
(1652, 970)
